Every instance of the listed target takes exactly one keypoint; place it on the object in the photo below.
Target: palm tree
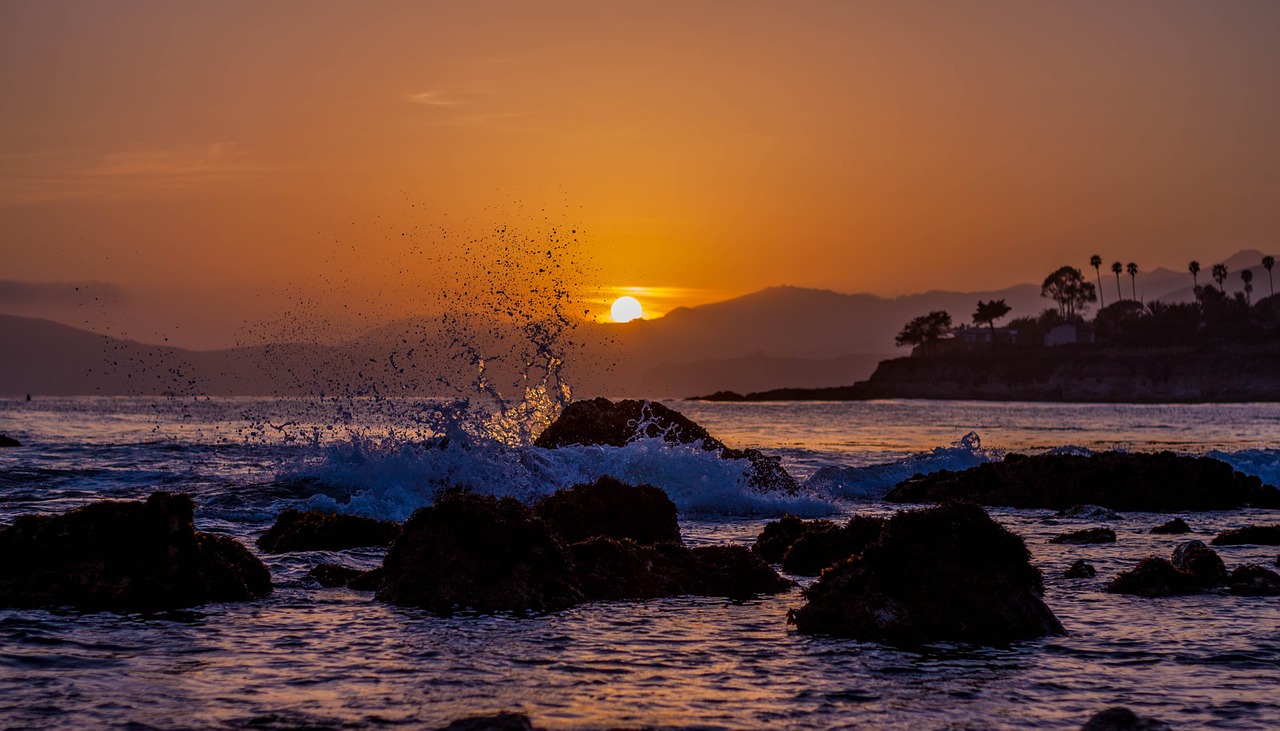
(1132, 269)
(989, 312)
(1246, 276)
(1269, 261)
(1194, 268)
(1117, 267)
(1095, 261)
(1220, 275)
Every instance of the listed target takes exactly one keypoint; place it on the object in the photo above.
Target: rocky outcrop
(1194, 568)
(1161, 482)
(600, 421)
(816, 550)
(7, 441)
(124, 556)
(313, 530)
(778, 536)
(610, 508)
(612, 570)
(1081, 569)
(1123, 719)
(1177, 526)
(1254, 580)
(1253, 535)
(948, 573)
(1088, 535)
(1200, 561)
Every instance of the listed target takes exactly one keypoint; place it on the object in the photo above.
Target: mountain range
(776, 337)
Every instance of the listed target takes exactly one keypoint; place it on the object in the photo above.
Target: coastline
(1068, 374)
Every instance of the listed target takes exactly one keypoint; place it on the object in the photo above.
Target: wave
(1262, 463)
(871, 482)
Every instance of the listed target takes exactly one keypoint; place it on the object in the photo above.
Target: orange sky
(221, 158)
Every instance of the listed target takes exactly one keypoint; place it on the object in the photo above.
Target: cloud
(20, 295)
(434, 99)
(122, 174)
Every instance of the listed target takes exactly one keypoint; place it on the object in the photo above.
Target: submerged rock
(1201, 562)
(313, 530)
(600, 421)
(1176, 526)
(608, 507)
(7, 441)
(1090, 512)
(1081, 569)
(778, 536)
(477, 552)
(735, 572)
(332, 575)
(496, 722)
(124, 556)
(1252, 535)
(818, 549)
(614, 570)
(1122, 719)
(948, 573)
(1088, 535)
(1162, 482)
(1254, 580)
(1154, 577)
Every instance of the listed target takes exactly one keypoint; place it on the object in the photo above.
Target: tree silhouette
(1067, 287)
(1117, 267)
(1268, 262)
(1132, 269)
(989, 312)
(1194, 268)
(925, 330)
(1095, 261)
(1220, 275)
(1246, 276)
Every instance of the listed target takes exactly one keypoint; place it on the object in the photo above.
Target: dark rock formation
(1090, 512)
(817, 549)
(313, 530)
(604, 422)
(948, 573)
(477, 552)
(1088, 535)
(496, 722)
(124, 556)
(1155, 577)
(1200, 561)
(1255, 535)
(607, 507)
(1254, 580)
(779, 535)
(1122, 719)
(613, 570)
(332, 575)
(1177, 526)
(1081, 569)
(7, 441)
(1163, 482)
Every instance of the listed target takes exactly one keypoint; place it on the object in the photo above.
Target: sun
(626, 309)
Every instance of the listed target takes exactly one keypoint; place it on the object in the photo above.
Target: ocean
(307, 657)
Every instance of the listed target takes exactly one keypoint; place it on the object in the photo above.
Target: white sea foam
(871, 482)
(1264, 463)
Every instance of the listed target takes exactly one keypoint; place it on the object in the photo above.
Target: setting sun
(626, 309)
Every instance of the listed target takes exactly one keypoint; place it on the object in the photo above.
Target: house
(1068, 333)
(974, 336)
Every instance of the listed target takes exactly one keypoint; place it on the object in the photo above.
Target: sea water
(307, 657)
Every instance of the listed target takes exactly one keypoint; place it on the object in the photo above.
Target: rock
(610, 508)
(1254, 580)
(1090, 512)
(1255, 535)
(332, 575)
(948, 573)
(1122, 719)
(7, 441)
(496, 722)
(1174, 527)
(477, 552)
(124, 556)
(1154, 577)
(1162, 482)
(1201, 562)
(817, 549)
(600, 421)
(779, 535)
(613, 570)
(313, 530)
(1088, 535)
(1081, 569)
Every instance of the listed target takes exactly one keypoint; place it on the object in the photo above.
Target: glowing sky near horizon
(210, 156)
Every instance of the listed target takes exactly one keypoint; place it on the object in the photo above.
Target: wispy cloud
(131, 173)
(434, 99)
